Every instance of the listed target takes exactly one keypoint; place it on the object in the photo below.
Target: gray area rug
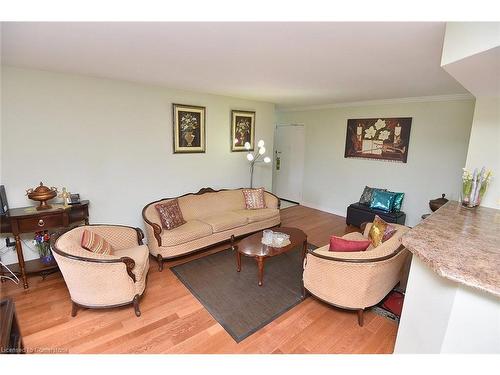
(234, 299)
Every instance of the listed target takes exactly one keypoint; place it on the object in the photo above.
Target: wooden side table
(29, 220)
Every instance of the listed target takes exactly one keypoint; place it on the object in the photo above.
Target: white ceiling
(290, 64)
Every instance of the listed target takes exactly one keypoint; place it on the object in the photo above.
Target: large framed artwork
(242, 130)
(378, 138)
(189, 128)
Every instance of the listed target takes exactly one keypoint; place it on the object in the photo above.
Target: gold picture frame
(242, 130)
(188, 129)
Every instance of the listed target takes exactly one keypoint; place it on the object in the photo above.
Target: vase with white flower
(474, 186)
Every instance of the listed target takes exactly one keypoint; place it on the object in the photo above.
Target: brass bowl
(42, 194)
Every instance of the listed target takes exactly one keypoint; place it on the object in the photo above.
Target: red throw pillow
(341, 244)
(93, 242)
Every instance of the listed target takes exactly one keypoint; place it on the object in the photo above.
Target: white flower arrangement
(474, 186)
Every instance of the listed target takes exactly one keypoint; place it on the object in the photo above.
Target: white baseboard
(330, 210)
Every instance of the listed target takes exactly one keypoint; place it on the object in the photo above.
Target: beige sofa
(211, 217)
(355, 280)
(98, 280)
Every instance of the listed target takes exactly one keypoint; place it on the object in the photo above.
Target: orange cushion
(93, 242)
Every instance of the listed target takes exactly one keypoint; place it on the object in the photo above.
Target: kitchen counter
(460, 244)
(452, 300)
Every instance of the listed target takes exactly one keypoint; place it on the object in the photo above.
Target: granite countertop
(460, 244)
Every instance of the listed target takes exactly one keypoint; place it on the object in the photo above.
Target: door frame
(275, 138)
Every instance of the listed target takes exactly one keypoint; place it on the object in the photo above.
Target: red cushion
(341, 244)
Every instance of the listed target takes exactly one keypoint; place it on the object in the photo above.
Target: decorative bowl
(42, 194)
(434, 204)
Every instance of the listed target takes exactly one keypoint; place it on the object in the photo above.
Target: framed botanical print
(242, 130)
(189, 128)
(378, 138)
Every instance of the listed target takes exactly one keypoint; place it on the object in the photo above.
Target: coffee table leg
(238, 261)
(304, 250)
(260, 264)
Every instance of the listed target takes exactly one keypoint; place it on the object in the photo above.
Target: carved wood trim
(129, 264)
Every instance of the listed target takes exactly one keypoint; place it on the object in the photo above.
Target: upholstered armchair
(355, 280)
(99, 281)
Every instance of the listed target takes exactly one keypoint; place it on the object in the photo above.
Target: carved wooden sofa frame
(157, 229)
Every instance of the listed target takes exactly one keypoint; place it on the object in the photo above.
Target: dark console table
(359, 213)
(29, 220)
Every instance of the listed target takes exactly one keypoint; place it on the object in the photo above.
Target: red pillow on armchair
(341, 244)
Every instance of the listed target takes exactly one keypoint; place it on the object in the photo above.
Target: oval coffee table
(252, 246)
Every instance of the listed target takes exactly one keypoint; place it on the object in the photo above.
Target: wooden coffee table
(252, 246)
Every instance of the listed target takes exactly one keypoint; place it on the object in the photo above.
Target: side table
(29, 220)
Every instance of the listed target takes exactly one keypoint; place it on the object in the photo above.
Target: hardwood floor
(173, 321)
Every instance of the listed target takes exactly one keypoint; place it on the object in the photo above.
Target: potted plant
(42, 243)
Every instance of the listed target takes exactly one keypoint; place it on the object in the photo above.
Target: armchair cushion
(93, 242)
(192, 230)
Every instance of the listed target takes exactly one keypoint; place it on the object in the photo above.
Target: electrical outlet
(9, 243)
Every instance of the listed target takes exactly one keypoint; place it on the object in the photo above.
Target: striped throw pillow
(93, 242)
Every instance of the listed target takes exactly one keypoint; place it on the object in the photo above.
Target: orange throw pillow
(93, 242)
(254, 198)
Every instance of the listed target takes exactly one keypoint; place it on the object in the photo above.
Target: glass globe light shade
(262, 150)
(267, 159)
(261, 143)
(247, 145)
(249, 157)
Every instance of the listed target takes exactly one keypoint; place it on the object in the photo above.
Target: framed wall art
(242, 130)
(189, 128)
(378, 138)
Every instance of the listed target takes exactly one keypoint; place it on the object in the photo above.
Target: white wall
(441, 316)
(463, 39)
(437, 153)
(111, 141)
(484, 145)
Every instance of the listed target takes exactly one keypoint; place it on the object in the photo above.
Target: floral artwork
(378, 138)
(242, 130)
(189, 128)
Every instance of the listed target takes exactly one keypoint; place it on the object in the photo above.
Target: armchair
(355, 280)
(99, 281)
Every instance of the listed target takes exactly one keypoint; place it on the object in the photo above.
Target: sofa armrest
(271, 200)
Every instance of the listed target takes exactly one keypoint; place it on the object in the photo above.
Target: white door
(288, 163)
